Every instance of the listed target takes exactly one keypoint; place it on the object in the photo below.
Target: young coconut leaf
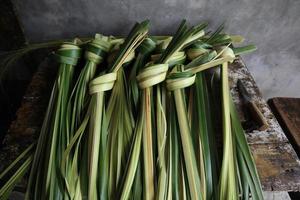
(184, 37)
(10, 184)
(150, 76)
(143, 52)
(96, 108)
(7, 59)
(245, 49)
(45, 180)
(174, 148)
(120, 130)
(97, 118)
(120, 117)
(95, 54)
(202, 128)
(175, 83)
(228, 179)
(246, 163)
(26, 158)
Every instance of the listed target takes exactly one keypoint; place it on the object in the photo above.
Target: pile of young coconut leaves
(141, 121)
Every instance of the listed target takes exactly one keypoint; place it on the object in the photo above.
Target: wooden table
(277, 162)
(287, 112)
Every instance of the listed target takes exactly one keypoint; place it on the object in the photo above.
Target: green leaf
(245, 160)
(228, 179)
(51, 143)
(245, 49)
(176, 85)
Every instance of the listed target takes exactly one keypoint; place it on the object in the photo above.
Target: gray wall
(273, 25)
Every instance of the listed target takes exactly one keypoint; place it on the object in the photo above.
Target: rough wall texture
(273, 25)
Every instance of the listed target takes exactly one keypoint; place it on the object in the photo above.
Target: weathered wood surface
(29, 117)
(287, 111)
(276, 160)
(277, 163)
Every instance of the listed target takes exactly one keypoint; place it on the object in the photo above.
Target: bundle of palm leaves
(140, 121)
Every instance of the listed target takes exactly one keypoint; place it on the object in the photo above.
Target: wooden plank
(278, 166)
(274, 133)
(287, 111)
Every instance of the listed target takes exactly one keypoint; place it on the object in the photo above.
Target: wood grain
(287, 111)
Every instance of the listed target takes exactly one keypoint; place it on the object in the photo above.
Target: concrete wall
(273, 25)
